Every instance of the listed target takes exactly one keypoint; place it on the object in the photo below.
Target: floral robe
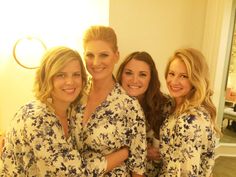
(187, 144)
(153, 166)
(36, 146)
(117, 122)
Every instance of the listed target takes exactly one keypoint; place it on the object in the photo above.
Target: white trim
(226, 149)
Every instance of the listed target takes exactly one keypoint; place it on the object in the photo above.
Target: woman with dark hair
(139, 77)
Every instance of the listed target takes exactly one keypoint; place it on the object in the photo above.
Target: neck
(178, 102)
(140, 98)
(60, 110)
(103, 85)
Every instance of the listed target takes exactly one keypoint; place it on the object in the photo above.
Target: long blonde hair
(198, 74)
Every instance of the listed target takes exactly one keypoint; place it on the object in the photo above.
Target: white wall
(162, 26)
(158, 27)
(56, 23)
(216, 47)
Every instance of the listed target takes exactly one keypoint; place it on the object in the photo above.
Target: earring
(49, 100)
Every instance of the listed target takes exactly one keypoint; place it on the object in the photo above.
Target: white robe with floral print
(187, 144)
(117, 122)
(35, 146)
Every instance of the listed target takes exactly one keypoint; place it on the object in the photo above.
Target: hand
(153, 153)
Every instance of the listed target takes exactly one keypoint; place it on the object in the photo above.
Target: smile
(69, 90)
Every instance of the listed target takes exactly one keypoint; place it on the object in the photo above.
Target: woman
(188, 136)
(108, 117)
(139, 77)
(39, 141)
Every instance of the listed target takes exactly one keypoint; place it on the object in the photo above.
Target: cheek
(168, 81)
(146, 82)
(87, 61)
(124, 79)
(189, 87)
(55, 84)
(79, 82)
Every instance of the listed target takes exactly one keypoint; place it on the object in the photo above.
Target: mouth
(175, 89)
(98, 69)
(134, 86)
(69, 90)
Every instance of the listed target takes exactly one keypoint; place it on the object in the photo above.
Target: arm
(116, 158)
(137, 139)
(186, 147)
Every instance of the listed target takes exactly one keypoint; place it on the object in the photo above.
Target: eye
(89, 55)
(171, 74)
(103, 55)
(128, 72)
(184, 76)
(78, 74)
(143, 74)
(60, 75)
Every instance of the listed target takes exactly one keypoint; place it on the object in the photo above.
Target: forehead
(71, 65)
(178, 66)
(98, 46)
(137, 65)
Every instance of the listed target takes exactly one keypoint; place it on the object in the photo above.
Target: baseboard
(226, 149)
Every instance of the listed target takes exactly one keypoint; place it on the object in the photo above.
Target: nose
(69, 80)
(135, 78)
(96, 61)
(175, 80)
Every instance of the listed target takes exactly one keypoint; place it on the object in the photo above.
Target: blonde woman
(40, 140)
(109, 118)
(187, 137)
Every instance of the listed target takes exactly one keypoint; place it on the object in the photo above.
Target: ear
(117, 56)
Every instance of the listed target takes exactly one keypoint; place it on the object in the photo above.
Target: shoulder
(30, 107)
(121, 95)
(35, 107)
(168, 103)
(32, 111)
(168, 100)
(198, 114)
(196, 118)
(130, 106)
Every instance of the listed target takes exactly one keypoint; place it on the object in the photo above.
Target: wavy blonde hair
(198, 74)
(52, 62)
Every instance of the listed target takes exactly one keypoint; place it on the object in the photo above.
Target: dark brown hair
(153, 99)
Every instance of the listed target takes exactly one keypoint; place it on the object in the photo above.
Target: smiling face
(136, 77)
(177, 81)
(67, 83)
(100, 59)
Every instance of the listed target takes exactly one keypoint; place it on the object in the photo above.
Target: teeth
(133, 87)
(98, 69)
(69, 90)
(175, 88)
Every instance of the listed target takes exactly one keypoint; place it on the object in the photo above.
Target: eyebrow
(138, 71)
(106, 51)
(175, 71)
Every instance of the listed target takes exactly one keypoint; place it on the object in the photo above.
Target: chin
(132, 94)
